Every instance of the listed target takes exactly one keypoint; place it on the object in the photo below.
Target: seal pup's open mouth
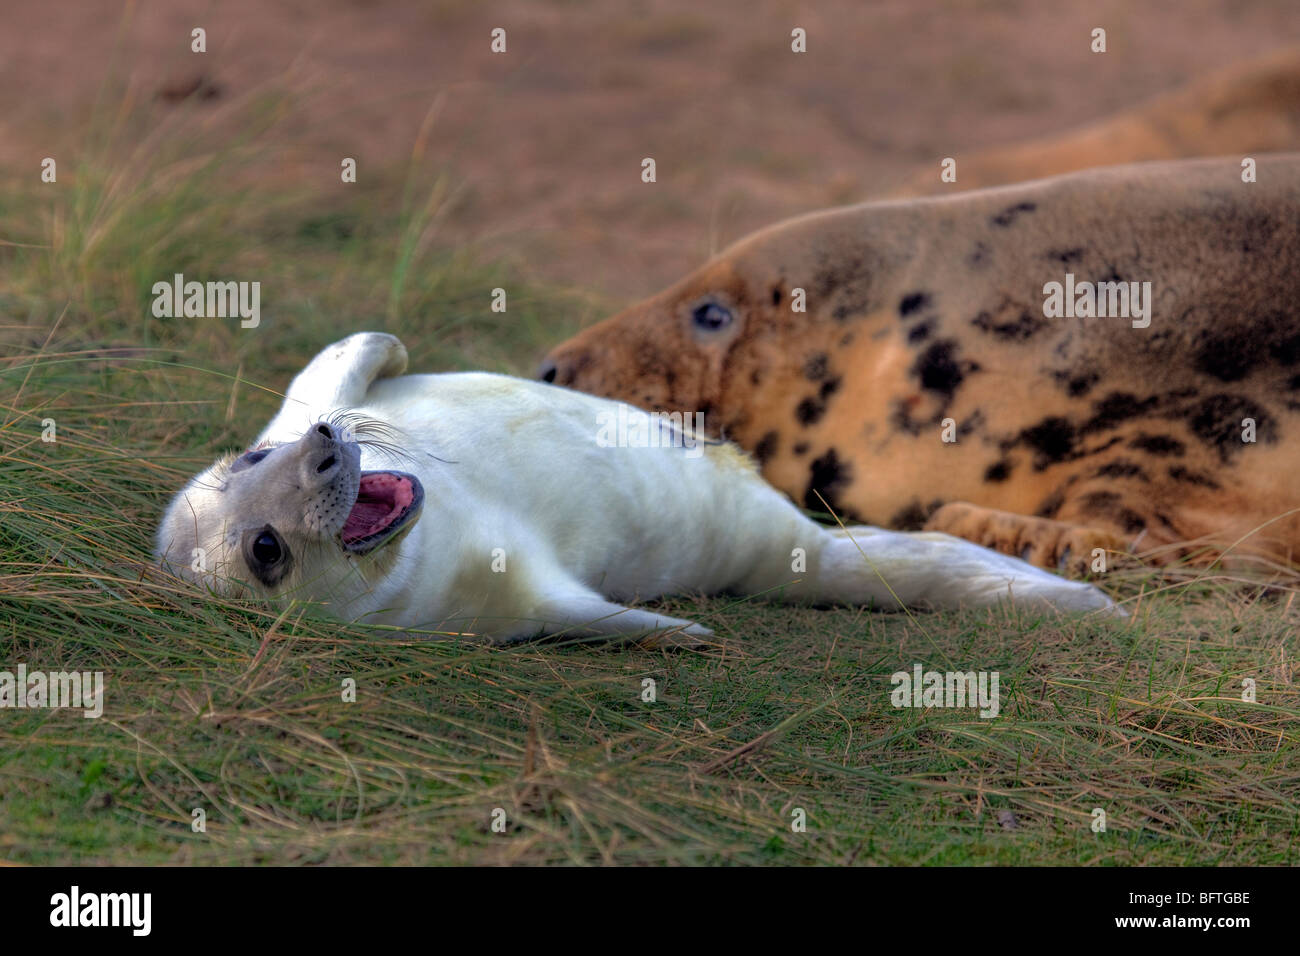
(387, 502)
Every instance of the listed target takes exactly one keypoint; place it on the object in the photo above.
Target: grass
(239, 712)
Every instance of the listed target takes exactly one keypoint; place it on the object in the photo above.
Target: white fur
(514, 465)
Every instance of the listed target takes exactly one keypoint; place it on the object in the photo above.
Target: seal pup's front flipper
(338, 377)
(579, 615)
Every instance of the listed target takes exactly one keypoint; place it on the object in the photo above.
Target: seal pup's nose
(324, 459)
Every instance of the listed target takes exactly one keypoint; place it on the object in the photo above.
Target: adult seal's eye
(266, 548)
(710, 316)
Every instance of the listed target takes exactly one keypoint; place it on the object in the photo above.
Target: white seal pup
(484, 505)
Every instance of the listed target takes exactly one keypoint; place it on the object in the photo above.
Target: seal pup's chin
(387, 502)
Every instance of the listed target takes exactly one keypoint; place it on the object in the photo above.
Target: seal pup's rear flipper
(933, 570)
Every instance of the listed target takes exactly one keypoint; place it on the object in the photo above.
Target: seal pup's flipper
(892, 569)
(338, 377)
(579, 615)
(341, 374)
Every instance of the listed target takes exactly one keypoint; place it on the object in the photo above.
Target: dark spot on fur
(1227, 357)
(733, 425)
(910, 518)
(1051, 504)
(1179, 473)
(914, 516)
(1293, 383)
(776, 295)
(1164, 520)
(1025, 326)
(998, 471)
(970, 425)
(808, 411)
(1098, 449)
(979, 256)
(1115, 408)
(1053, 439)
(843, 280)
(1130, 520)
(766, 447)
(913, 303)
(1232, 355)
(811, 409)
(815, 368)
(1286, 351)
(1081, 385)
(1216, 420)
(1158, 444)
(1121, 469)
(801, 448)
(900, 416)
(706, 409)
(1107, 504)
(1065, 256)
(920, 332)
(826, 475)
(939, 370)
(1075, 383)
(1007, 216)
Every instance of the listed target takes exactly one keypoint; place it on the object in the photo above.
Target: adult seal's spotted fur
(925, 320)
(490, 508)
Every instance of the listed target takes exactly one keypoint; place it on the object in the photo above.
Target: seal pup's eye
(711, 316)
(266, 555)
(266, 548)
(249, 459)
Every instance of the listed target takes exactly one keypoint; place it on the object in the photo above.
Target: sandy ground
(545, 141)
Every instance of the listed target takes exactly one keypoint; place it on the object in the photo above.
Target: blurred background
(540, 147)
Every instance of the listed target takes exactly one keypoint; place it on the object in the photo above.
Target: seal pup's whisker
(372, 433)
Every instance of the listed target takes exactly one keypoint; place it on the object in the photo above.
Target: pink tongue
(381, 498)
